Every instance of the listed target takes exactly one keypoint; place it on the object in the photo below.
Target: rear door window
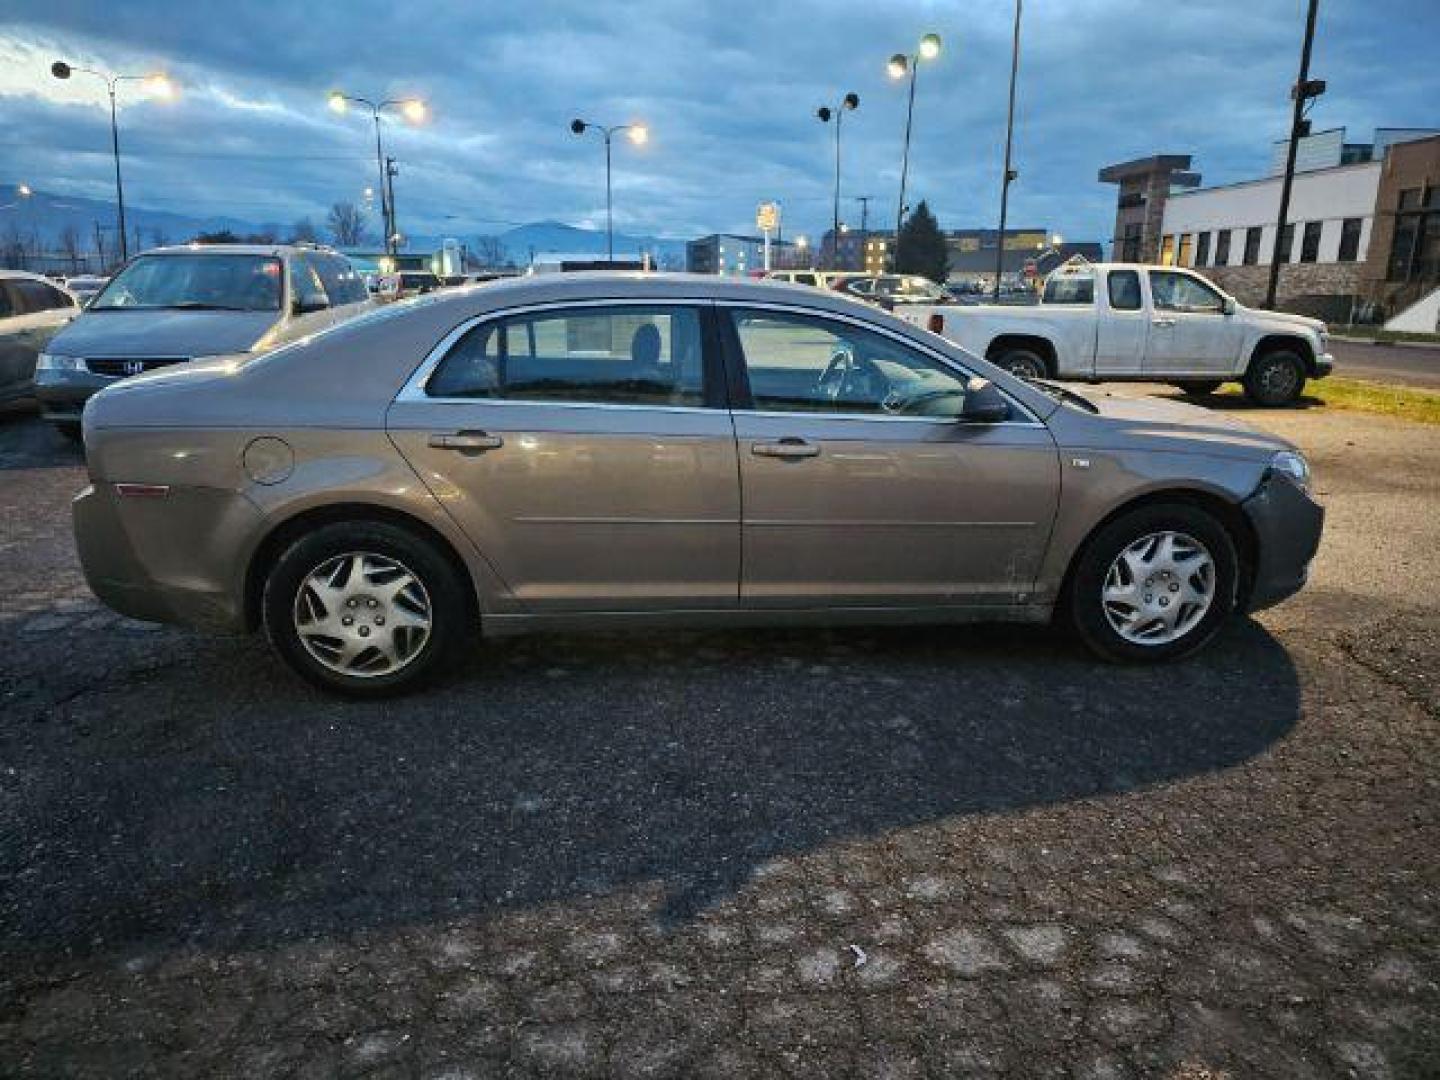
(1124, 288)
(1070, 289)
(342, 283)
(38, 296)
(625, 355)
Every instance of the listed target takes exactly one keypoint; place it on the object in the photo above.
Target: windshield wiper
(1059, 393)
(199, 305)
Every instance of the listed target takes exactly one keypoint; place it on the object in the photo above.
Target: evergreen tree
(922, 246)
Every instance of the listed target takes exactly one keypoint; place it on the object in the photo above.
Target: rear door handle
(785, 448)
(1162, 322)
(466, 440)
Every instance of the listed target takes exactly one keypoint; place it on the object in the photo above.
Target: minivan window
(629, 355)
(197, 281)
(801, 363)
(1070, 289)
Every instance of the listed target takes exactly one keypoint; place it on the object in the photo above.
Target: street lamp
(638, 134)
(899, 66)
(413, 110)
(1010, 174)
(849, 102)
(160, 86)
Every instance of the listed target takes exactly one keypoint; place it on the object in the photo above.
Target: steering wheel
(843, 373)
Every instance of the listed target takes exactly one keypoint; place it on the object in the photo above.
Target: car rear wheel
(366, 609)
(1154, 584)
(1198, 387)
(1275, 378)
(1024, 363)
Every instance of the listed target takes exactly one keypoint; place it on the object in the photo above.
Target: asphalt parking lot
(928, 852)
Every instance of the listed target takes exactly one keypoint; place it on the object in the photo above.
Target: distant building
(1146, 184)
(735, 255)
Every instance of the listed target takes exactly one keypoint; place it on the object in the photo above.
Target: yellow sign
(767, 217)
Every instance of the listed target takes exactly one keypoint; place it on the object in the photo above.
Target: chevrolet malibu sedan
(615, 450)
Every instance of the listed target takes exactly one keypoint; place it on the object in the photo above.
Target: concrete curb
(1383, 342)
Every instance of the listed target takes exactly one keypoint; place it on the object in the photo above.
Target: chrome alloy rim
(362, 614)
(1159, 588)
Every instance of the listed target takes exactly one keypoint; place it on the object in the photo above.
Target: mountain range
(47, 217)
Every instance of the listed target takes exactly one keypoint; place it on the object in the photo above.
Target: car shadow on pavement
(194, 793)
(27, 442)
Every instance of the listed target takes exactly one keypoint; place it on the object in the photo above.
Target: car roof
(241, 249)
(26, 275)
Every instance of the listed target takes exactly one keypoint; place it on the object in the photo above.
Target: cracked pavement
(917, 852)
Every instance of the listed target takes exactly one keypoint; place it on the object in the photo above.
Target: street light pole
(638, 134)
(899, 65)
(61, 70)
(1010, 173)
(850, 101)
(414, 110)
(1303, 91)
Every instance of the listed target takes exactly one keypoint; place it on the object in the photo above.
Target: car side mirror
(984, 403)
(1228, 306)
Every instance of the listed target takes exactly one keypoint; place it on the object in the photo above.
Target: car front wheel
(366, 609)
(1275, 378)
(1154, 584)
(1024, 363)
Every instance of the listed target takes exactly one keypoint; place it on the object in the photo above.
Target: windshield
(196, 281)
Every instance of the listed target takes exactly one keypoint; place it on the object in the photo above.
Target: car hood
(1284, 318)
(117, 332)
(1170, 425)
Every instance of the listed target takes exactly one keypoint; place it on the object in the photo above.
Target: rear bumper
(165, 558)
(1288, 525)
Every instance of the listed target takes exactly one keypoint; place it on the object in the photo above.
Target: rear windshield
(196, 281)
(1070, 289)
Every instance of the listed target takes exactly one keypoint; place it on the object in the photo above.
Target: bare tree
(100, 246)
(12, 247)
(346, 223)
(490, 252)
(304, 231)
(160, 236)
(70, 247)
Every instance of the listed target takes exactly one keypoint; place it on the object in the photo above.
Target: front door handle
(785, 448)
(1162, 323)
(466, 440)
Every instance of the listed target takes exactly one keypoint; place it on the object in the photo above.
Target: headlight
(51, 362)
(1294, 466)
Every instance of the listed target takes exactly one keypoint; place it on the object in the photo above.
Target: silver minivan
(32, 311)
(175, 304)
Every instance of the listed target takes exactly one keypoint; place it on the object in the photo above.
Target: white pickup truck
(1145, 323)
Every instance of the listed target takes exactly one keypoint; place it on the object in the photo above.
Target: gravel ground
(954, 852)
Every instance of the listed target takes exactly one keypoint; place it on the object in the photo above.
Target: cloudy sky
(729, 91)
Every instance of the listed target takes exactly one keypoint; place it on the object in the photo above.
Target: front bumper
(1288, 524)
(1324, 365)
(62, 394)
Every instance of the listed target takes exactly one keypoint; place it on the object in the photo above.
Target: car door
(1190, 333)
(1122, 325)
(860, 486)
(587, 452)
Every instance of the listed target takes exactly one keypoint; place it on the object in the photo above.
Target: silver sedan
(606, 450)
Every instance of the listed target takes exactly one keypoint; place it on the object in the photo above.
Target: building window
(1167, 251)
(1287, 244)
(1252, 246)
(1350, 239)
(1222, 248)
(1202, 249)
(1186, 240)
(1310, 241)
(1130, 244)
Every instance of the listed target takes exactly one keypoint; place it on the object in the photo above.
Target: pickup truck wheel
(1154, 584)
(1024, 363)
(1200, 386)
(1275, 378)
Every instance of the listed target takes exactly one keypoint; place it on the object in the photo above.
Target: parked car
(613, 450)
(1150, 323)
(895, 290)
(32, 311)
(406, 283)
(171, 305)
(823, 279)
(84, 286)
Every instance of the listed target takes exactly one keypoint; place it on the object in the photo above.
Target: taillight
(936, 324)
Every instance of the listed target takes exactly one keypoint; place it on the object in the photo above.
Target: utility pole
(391, 241)
(1010, 173)
(864, 201)
(1304, 90)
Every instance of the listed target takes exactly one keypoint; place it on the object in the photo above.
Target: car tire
(1275, 378)
(1024, 363)
(414, 628)
(70, 429)
(1199, 387)
(1098, 596)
